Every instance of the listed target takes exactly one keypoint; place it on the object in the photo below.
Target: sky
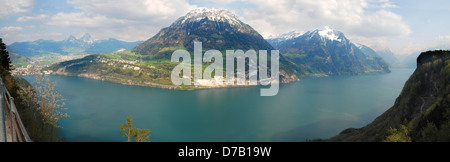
(403, 26)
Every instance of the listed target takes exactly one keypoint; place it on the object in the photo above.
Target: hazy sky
(403, 26)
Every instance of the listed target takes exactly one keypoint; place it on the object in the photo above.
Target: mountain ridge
(328, 52)
(71, 45)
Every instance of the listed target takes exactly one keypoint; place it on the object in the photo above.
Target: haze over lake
(307, 109)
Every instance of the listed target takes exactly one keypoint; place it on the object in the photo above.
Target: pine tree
(5, 62)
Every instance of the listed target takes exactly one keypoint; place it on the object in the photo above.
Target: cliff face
(423, 105)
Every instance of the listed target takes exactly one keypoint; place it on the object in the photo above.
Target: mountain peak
(290, 35)
(71, 37)
(330, 34)
(212, 14)
(86, 38)
(278, 39)
(359, 45)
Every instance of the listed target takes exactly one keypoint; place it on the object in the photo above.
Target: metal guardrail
(11, 126)
(2, 118)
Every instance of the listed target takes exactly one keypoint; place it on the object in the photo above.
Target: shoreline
(152, 84)
(188, 88)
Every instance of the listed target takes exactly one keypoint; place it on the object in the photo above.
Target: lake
(308, 109)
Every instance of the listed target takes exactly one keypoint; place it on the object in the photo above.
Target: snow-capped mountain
(326, 35)
(291, 35)
(330, 34)
(275, 41)
(217, 29)
(212, 14)
(71, 39)
(87, 38)
(84, 39)
(329, 52)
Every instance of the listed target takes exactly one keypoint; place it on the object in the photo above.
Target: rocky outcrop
(423, 106)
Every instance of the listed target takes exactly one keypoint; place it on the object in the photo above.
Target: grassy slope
(120, 67)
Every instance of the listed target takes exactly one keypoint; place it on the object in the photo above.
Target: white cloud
(222, 2)
(9, 7)
(47, 34)
(382, 4)
(30, 36)
(32, 18)
(9, 33)
(10, 29)
(388, 5)
(272, 17)
(410, 45)
(134, 9)
(443, 42)
(443, 38)
(81, 19)
(150, 12)
(381, 23)
(129, 19)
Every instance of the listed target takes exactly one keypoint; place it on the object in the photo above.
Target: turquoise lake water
(308, 109)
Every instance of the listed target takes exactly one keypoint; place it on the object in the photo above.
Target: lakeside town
(28, 70)
(36, 64)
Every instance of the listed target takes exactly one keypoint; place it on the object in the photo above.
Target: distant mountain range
(367, 50)
(389, 57)
(17, 59)
(83, 45)
(328, 52)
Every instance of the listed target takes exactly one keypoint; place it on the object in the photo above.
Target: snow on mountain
(290, 35)
(360, 46)
(213, 14)
(326, 34)
(71, 38)
(87, 38)
(276, 40)
(330, 34)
